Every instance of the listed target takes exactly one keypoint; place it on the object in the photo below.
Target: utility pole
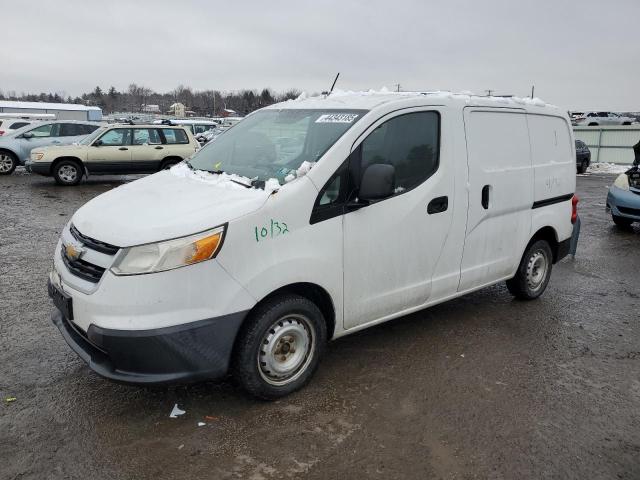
(533, 87)
(489, 92)
(397, 87)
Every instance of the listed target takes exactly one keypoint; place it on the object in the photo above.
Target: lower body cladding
(183, 353)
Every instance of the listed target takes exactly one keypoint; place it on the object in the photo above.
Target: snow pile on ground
(605, 167)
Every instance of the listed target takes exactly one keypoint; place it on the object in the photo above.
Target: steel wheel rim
(537, 270)
(6, 163)
(68, 173)
(286, 350)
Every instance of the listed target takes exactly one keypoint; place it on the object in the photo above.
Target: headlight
(170, 254)
(622, 182)
(37, 156)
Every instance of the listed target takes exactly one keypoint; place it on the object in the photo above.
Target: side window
(331, 192)
(175, 135)
(116, 137)
(70, 130)
(331, 199)
(17, 125)
(42, 131)
(410, 143)
(146, 135)
(87, 129)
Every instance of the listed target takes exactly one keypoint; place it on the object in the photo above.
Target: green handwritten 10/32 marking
(273, 230)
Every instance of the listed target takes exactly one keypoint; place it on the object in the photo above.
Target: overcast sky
(580, 54)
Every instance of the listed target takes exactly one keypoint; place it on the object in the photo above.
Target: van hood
(163, 206)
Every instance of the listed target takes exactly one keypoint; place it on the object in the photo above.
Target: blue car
(623, 200)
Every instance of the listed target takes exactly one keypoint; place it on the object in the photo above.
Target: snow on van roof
(45, 106)
(373, 98)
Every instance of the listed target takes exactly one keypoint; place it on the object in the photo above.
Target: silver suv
(16, 146)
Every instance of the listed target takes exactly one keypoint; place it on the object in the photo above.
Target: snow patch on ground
(605, 167)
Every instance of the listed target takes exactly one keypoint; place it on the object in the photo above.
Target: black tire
(169, 162)
(8, 162)
(274, 323)
(593, 124)
(67, 172)
(582, 168)
(529, 283)
(621, 221)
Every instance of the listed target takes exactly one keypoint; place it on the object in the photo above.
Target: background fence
(610, 144)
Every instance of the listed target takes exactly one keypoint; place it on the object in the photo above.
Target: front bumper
(179, 354)
(624, 203)
(42, 168)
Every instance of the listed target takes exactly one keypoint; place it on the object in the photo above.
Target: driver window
(42, 131)
(410, 143)
(116, 137)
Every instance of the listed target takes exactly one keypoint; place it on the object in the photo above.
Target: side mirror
(97, 143)
(378, 182)
(27, 135)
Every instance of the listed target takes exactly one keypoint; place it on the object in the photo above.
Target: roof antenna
(332, 85)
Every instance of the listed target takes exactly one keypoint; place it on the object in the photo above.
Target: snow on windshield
(275, 144)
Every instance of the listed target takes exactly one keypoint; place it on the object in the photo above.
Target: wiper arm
(241, 183)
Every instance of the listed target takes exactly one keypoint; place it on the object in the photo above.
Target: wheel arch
(170, 158)
(67, 157)
(311, 291)
(550, 235)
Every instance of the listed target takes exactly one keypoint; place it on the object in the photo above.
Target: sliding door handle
(485, 196)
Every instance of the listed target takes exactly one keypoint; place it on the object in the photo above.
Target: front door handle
(123, 148)
(158, 148)
(438, 205)
(485, 196)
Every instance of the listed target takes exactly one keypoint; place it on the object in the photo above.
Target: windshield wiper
(241, 183)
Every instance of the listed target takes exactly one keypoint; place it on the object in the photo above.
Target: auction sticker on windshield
(337, 118)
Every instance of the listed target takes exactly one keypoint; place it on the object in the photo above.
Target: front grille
(630, 211)
(93, 244)
(85, 270)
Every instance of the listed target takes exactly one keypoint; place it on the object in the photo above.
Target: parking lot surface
(479, 387)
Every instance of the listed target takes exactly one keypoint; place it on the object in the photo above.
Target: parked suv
(593, 119)
(16, 146)
(583, 156)
(8, 125)
(115, 149)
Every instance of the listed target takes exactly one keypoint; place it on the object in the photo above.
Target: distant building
(62, 111)
(227, 112)
(151, 109)
(177, 109)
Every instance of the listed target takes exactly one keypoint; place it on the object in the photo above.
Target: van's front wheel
(534, 272)
(279, 347)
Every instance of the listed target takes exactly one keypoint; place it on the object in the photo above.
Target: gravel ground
(479, 387)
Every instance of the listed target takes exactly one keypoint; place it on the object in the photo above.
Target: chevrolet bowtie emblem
(73, 252)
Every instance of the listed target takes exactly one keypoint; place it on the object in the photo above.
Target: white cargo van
(310, 220)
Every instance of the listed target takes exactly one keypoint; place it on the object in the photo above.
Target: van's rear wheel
(67, 172)
(533, 273)
(279, 347)
(8, 163)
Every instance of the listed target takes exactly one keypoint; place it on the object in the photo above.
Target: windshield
(92, 136)
(274, 143)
